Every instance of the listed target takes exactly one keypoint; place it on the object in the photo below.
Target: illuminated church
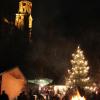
(24, 18)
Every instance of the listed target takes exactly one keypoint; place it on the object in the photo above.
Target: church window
(24, 4)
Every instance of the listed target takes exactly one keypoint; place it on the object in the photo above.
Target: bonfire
(77, 96)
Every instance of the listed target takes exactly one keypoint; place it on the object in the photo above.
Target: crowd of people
(49, 95)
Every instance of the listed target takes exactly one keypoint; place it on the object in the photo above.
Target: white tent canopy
(41, 82)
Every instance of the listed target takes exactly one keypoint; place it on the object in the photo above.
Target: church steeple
(25, 7)
(24, 18)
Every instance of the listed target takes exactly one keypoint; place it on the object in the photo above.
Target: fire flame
(77, 96)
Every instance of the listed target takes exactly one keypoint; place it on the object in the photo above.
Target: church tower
(24, 18)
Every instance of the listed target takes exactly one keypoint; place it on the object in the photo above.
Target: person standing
(4, 96)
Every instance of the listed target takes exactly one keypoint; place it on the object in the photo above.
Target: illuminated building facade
(24, 18)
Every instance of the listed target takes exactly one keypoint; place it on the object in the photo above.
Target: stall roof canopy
(41, 82)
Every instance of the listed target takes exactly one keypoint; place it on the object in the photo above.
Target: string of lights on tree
(78, 75)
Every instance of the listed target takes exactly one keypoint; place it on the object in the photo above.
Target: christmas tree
(78, 75)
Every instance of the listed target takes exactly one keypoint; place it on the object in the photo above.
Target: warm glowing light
(61, 88)
(77, 96)
(79, 72)
(30, 21)
(25, 7)
(6, 20)
(19, 21)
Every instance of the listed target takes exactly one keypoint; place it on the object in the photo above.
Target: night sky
(59, 26)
